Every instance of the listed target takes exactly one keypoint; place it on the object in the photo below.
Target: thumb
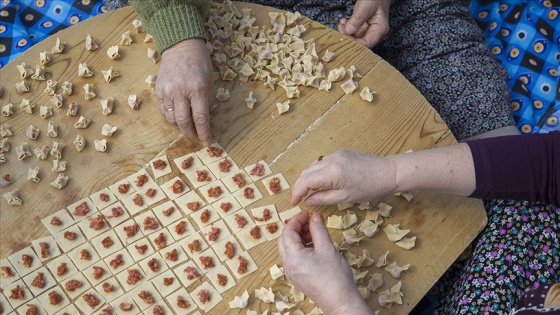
(319, 234)
(360, 15)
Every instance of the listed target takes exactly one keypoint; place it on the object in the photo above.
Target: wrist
(184, 45)
(355, 305)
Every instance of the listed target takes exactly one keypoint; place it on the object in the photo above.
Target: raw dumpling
(26, 106)
(8, 110)
(58, 47)
(72, 109)
(39, 74)
(107, 130)
(80, 143)
(56, 150)
(110, 74)
(67, 88)
(58, 166)
(113, 52)
(250, 100)
(32, 132)
(82, 123)
(100, 145)
(89, 92)
(283, 107)
(43, 152)
(126, 40)
(107, 106)
(57, 100)
(90, 44)
(84, 71)
(13, 198)
(133, 101)
(153, 54)
(24, 71)
(223, 94)
(33, 175)
(151, 80)
(60, 181)
(45, 111)
(21, 87)
(23, 151)
(44, 58)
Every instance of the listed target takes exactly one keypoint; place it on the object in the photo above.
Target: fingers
(169, 115)
(183, 117)
(201, 118)
(358, 19)
(324, 197)
(320, 235)
(290, 239)
(310, 179)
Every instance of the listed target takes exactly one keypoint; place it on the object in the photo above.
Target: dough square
(272, 236)
(162, 266)
(196, 162)
(16, 261)
(207, 253)
(228, 199)
(266, 168)
(258, 213)
(190, 239)
(282, 182)
(115, 188)
(110, 296)
(124, 299)
(154, 238)
(223, 231)
(89, 273)
(165, 215)
(247, 240)
(84, 307)
(148, 215)
(4, 279)
(288, 214)
(221, 270)
(181, 255)
(192, 176)
(128, 202)
(239, 195)
(191, 196)
(148, 287)
(136, 255)
(157, 197)
(80, 263)
(52, 251)
(40, 309)
(205, 191)
(121, 233)
(14, 303)
(89, 231)
(123, 276)
(215, 167)
(167, 188)
(213, 216)
(160, 283)
(103, 251)
(231, 184)
(47, 278)
(161, 303)
(117, 216)
(67, 245)
(204, 154)
(126, 258)
(5, 305)
(220, 248)
(176, 231)
(181, 274)
(184, 294)
(78, 217)
(232, 222)
(45, 302)
(233, 265)
(99, 203)
(65, 220)
(69, 309)
(161, 172)
(55, 263)
(78, 277)
(133, 179)
(215, 297)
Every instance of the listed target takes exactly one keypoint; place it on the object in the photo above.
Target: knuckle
(201, 119)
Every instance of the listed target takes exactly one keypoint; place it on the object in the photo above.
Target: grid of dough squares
(152, 246)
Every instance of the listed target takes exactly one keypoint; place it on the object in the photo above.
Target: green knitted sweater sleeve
(172, 21)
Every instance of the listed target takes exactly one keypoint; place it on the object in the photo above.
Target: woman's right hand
(369, 22)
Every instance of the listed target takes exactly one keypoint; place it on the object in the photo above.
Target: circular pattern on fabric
(22, 42)
(40, 3)
(74, 19)
(538, 104)
(2, 29)
(526, 128)
(46, 24)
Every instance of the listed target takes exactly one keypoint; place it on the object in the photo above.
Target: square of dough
(133, 179)
(204, 155)
(24, 308)
(240, 195)
(231, 184)
(232, 222)
(128, 202)
(146, 268)
(124, 299)
(183, 294)
(282, 182)
(181, 255)
(4, 278)
(207, 253)
(196, 162)
(181, 274)
(192, 176)
(52, 250)
(161, 172)
(67, 245)
(157, 197)
(148, 215)
(215, 297)
(176, 229)
(272, 236)
(115, 217)
(221, 270)
(45, 302)
(16, 261)
(191, 196)
(197, 216)
(161, 304)
(57, 262)
(165, 214)
(48, 279)
(148, 287)
(115, 188)
(100, 203)
(121, 232)
(258, 213)
(92, 209)
(160, 283)
(205, 191)
(27, 296)
(247, 240)
(89, 231)
(123, 255)
(80, 263)
(220, 248)
(84, 307)
(69, 309)
(215, 167)
(136, 255)
(190, 239)
(5, 305)
(167, 188)
(155, 237)
(207, 231)
(266, 170)
(123, 276)
(90, 271)
(103, 251)
(62, 215)
(233, 265)
(288, 214)
(80, 278)
(113, 295)
(228, 199)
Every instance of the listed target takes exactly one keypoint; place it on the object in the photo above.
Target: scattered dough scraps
(393, 232)
(283, 107)
(407, 242)
(367, 95)
(240, 301)
(265, 295)
(250, 100)
(395, 270)
(223, 94)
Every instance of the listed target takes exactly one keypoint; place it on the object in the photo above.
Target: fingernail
(350, 28)
(316, 217)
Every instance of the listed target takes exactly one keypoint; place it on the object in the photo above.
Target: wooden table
(319, 123)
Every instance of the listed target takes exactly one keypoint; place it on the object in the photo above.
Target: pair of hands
(184, 83)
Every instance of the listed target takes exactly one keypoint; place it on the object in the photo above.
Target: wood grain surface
(318, 123)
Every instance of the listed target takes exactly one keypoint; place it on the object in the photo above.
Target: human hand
(346, 177)
(318, 270)
(369, 22)
(183, 88)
